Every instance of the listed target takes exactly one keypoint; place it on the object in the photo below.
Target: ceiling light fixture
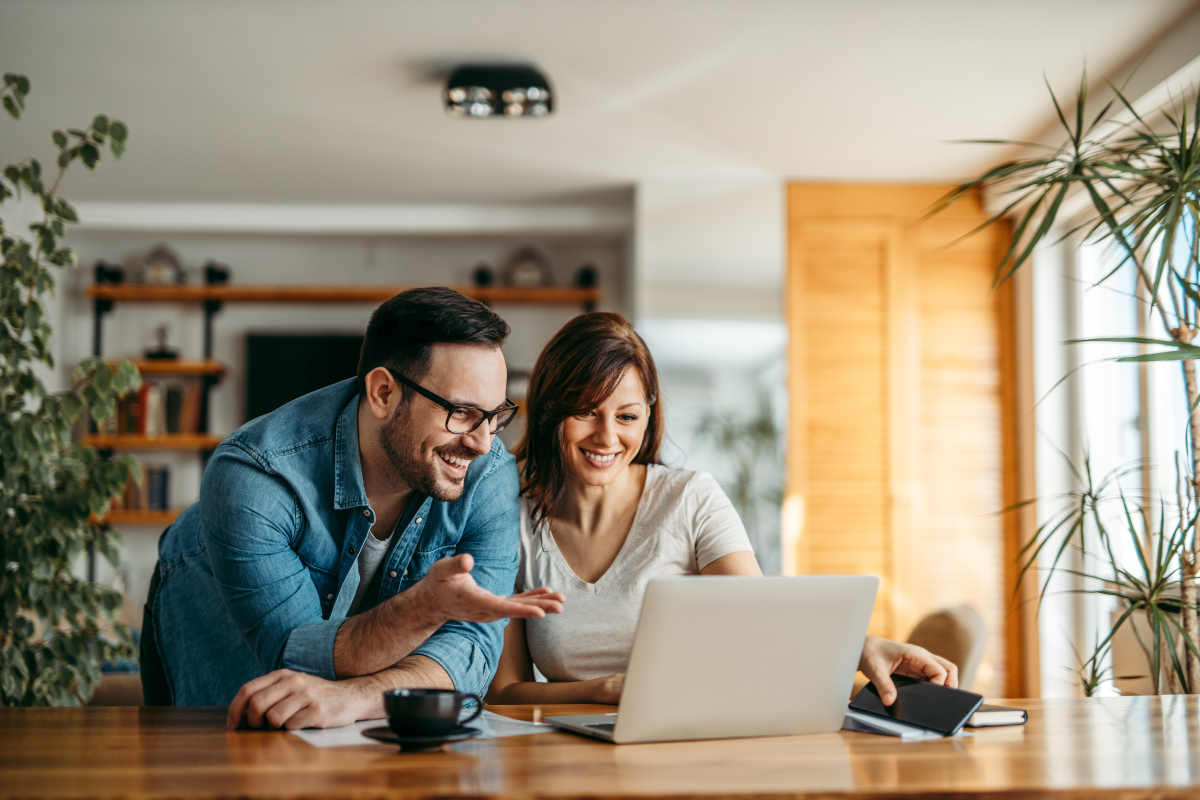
(480, 91)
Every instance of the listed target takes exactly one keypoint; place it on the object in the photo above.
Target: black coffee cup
(426, 712)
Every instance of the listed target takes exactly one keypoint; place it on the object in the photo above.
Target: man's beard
(403, 450)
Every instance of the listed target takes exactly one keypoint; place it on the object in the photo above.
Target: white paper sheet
(492, 725)
(865, 723)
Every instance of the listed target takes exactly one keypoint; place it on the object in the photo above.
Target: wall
(901, 444)
(259, 258)
(708, 277)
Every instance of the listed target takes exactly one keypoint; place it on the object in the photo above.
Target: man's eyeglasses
(464, 419)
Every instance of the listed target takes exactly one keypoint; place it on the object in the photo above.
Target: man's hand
(295, 700)
(882, 657)
(370, 642)
(455, 595)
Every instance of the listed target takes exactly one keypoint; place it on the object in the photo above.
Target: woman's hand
(881, 657)
(608, 690)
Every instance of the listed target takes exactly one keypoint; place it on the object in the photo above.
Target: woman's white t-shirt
(683, 523)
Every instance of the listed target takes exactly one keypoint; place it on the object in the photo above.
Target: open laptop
(719, 657)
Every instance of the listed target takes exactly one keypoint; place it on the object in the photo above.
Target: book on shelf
(157, 409)
(173, 407)
(151, 494)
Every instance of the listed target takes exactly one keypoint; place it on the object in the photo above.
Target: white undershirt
(370, 558)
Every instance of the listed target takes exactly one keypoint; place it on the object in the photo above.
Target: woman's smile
(600, 460)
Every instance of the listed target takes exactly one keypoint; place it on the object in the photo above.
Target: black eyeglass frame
(487, 416)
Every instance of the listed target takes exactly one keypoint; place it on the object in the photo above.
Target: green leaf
(64, 159)
(1136, 340)
(10, 106)
(65, 210)
(100, 124)
(1179, 355)
(46, 240)
(118, 131)
(90, 155)
(118, 149)
(60, 139)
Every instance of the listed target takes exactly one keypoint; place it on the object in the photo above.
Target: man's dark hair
(404, 329)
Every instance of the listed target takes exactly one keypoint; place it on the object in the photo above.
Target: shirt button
(351, 551)
(393, 573)
(406, 572)
(417, 521)
(366, 512)
(329, 596)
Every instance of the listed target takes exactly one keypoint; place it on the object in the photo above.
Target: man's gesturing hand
(295, 700)
(882, 657)
(455, 595)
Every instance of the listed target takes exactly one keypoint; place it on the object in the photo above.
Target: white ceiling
(306, 101)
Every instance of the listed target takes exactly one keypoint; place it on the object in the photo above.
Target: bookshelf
(167, 441)
(517, 295)
(138, 516)
(178, 367)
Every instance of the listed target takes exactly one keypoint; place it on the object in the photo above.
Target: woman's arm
(514, 683)
(742, 562)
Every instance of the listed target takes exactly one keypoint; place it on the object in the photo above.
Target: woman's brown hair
(577, 371)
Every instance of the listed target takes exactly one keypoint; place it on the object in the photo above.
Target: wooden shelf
(170, 441)
(138, 516)
(174, 293)
(177, 366)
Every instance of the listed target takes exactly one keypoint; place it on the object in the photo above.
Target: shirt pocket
(326, 586)
(422, 560)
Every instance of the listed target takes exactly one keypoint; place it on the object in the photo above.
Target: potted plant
(1140, 175)
(55, 628)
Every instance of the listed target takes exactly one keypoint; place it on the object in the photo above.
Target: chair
(957, 634)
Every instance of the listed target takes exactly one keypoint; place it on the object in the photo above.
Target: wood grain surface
(165, 441)
(1128, 748)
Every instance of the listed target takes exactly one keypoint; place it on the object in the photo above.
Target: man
(358, 539)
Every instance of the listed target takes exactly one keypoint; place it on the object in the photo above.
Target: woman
(601, 517)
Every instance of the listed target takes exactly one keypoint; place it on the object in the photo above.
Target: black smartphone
(921, 703)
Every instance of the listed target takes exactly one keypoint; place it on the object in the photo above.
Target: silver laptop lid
(724, 656)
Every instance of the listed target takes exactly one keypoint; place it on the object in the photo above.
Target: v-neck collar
(549, 545)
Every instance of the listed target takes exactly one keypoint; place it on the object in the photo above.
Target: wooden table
(1121, 747)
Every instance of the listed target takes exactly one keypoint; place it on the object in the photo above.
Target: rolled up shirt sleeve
(469, 652)
(249, 521)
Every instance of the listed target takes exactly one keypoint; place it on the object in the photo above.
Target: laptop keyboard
(603, 726)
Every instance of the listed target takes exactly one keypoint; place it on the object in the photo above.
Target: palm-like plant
(1141, 177)
(1149, 587)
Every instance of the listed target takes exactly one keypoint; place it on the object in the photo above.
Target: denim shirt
(260, 573)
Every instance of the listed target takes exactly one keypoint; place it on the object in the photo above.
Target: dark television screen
(282, 367)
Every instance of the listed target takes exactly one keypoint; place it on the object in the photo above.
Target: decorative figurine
(162, 351)
(216, 273)
(586, 277)
(161, 265)
(528, 267)
(483, 274)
